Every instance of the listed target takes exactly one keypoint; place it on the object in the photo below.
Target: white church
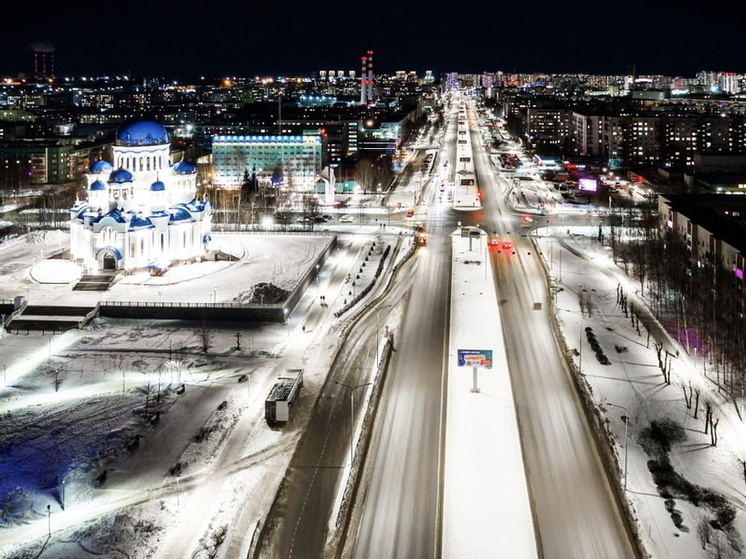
(141, 211)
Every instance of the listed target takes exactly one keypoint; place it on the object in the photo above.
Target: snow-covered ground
(677, 483)
(71, 407)
(486, 505)
(95, 422)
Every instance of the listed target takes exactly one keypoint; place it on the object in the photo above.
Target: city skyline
(162, 41)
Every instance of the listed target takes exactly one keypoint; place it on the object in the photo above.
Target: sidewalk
(486, 507)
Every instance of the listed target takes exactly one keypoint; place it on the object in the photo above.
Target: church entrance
(109, 262)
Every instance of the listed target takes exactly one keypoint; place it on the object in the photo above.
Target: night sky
(213, 40)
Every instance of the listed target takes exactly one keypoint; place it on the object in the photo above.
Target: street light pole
(580, 348)
(378, 327)
(626, 439)
(352, 413)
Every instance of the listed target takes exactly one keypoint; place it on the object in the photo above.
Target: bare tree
(205, 334)
(687, 394)
(714, 432)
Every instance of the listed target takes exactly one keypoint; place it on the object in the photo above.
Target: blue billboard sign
(475, 358)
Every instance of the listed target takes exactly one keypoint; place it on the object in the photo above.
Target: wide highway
(575, 512)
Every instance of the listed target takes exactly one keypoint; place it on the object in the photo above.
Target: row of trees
(702, 304)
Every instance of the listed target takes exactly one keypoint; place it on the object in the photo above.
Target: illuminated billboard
(475, 358)
(587, 185)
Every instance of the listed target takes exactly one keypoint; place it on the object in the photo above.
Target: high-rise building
(43, 60)
(275, 160)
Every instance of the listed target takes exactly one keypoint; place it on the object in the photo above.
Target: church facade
(140, 211)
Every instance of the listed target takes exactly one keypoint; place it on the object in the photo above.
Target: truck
(282, 396)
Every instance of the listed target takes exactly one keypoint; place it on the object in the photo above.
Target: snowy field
(111, 434)
(686, 494)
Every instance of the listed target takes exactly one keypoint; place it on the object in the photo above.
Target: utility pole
(352, 414)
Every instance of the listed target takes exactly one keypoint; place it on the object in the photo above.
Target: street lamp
(625, 418)
(352, 413)
(177, 490)
(378, 327)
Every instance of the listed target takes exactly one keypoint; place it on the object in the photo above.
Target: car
(346, 218)
(494, 241)
(507, 245)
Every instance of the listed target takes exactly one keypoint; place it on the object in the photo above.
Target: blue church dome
(114, 214)
(197, 205)
(120, 175)
(179, 213)
(100, 167)
(157, 186)
(184, 168)
(97, 185)
(142, 133)
(140, 222)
